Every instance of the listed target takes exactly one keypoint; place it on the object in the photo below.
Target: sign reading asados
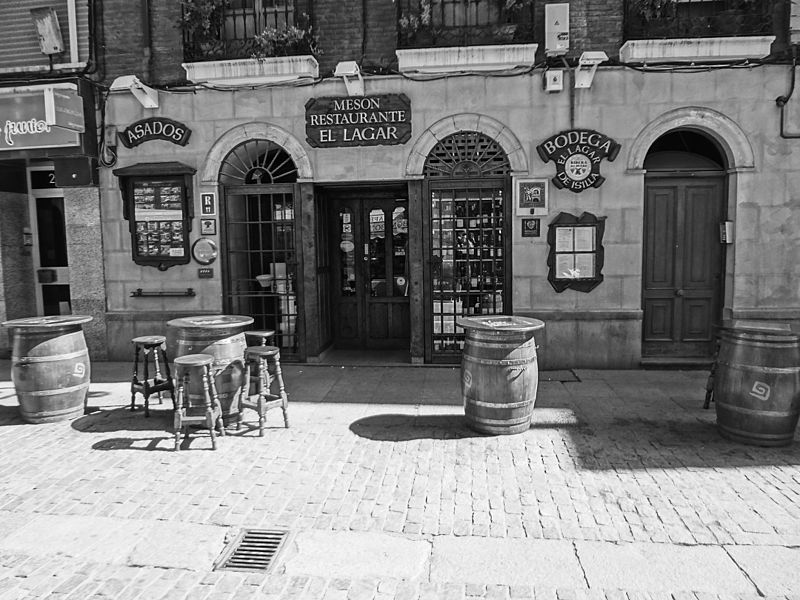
(355, 121)
(577, 154)
(155, 128)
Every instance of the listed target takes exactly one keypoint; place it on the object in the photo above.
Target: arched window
(257, 162)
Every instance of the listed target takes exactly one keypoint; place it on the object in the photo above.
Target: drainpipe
(781, 101)
(147, 43)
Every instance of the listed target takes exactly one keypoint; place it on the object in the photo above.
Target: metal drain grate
(251, 550)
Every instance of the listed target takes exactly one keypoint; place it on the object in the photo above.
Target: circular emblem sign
(577, 154)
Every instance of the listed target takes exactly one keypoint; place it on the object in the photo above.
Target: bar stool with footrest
(262, 335)
(157, 384)
(189, 410)
(262, 366)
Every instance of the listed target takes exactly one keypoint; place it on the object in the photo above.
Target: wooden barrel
(50, 367)
(221, 336)
(499, 373)
(757, 385)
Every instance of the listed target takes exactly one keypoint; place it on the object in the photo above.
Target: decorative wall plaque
(155, 128)
(358, 121)
(577, 154)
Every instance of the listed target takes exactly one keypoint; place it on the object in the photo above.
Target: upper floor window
(67, 23)
(654, 19)
(463, 22)
(225, 29)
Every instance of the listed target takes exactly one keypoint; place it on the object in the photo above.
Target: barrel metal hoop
(502, 422)
(506, 362)
(759, 368)
(755, 412)
(52, 358)
(58, 391)
(499, 404)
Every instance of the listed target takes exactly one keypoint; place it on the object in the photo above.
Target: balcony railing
(429, 23)
(659, 19)
(228, 30)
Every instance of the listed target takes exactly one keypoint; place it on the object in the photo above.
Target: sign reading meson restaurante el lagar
(358, 121)
(577, 154)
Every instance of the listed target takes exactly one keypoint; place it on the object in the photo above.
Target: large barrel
(757, 384)
(50, 367)
(221, 336)
(499, 373)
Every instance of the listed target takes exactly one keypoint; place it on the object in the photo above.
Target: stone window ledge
(695, 49)
(466, 58)
(252, 71)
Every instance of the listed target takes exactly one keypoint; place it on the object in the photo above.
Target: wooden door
(369, 250)
(683, 260)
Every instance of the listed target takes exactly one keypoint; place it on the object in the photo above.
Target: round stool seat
(149, 340)
(194, 360)
(262, 334)
(265, 351)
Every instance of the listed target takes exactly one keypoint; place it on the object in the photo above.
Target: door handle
(366, 250)
(679, 292)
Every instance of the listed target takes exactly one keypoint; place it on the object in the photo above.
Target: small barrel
(757, 385)
(50, 367)
(221, 336)
(499, 373)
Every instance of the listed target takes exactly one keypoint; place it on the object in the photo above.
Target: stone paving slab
(774, 570)
(662, 568)
(482, 561)
(354, 555)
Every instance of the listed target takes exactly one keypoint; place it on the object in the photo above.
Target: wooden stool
(157, 384)
(267, 362)
(263, 335)
(189, 413)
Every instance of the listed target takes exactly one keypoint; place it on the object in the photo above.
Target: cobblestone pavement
(622, 489)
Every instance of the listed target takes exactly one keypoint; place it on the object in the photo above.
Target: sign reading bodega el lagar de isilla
(577, 154)
(155, 128)
(384, 119)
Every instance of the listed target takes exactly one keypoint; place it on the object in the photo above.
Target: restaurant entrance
(370, 268)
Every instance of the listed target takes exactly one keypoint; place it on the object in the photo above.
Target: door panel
(49, 233)
(370, 259)
(682, 266)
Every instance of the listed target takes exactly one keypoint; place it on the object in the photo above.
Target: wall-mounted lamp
(147, 96)
(351, 73)
(46, 21)
(587, 65)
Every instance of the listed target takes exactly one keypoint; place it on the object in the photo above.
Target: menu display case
(157, 204)
(576, 252)
(468, 274)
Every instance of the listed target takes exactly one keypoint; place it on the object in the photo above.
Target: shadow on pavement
(403, 428)
(123, 419)
(162, 444)
(633, 443)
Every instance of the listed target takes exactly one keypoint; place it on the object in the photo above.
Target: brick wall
(593, 25)
(124, 49)
(340, 30)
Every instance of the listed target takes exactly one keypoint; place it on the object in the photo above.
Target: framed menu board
(157, 204)
(576, 252)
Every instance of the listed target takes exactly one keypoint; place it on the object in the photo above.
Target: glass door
(261, 259)
(370, 262)
(49, 236)
(469, 270)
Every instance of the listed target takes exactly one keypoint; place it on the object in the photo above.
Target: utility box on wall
(556, 29)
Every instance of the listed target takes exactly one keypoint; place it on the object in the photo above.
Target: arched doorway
(468, 270)
(683, 258)
(258, 187)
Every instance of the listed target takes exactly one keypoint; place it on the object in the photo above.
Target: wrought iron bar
(655, 19)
